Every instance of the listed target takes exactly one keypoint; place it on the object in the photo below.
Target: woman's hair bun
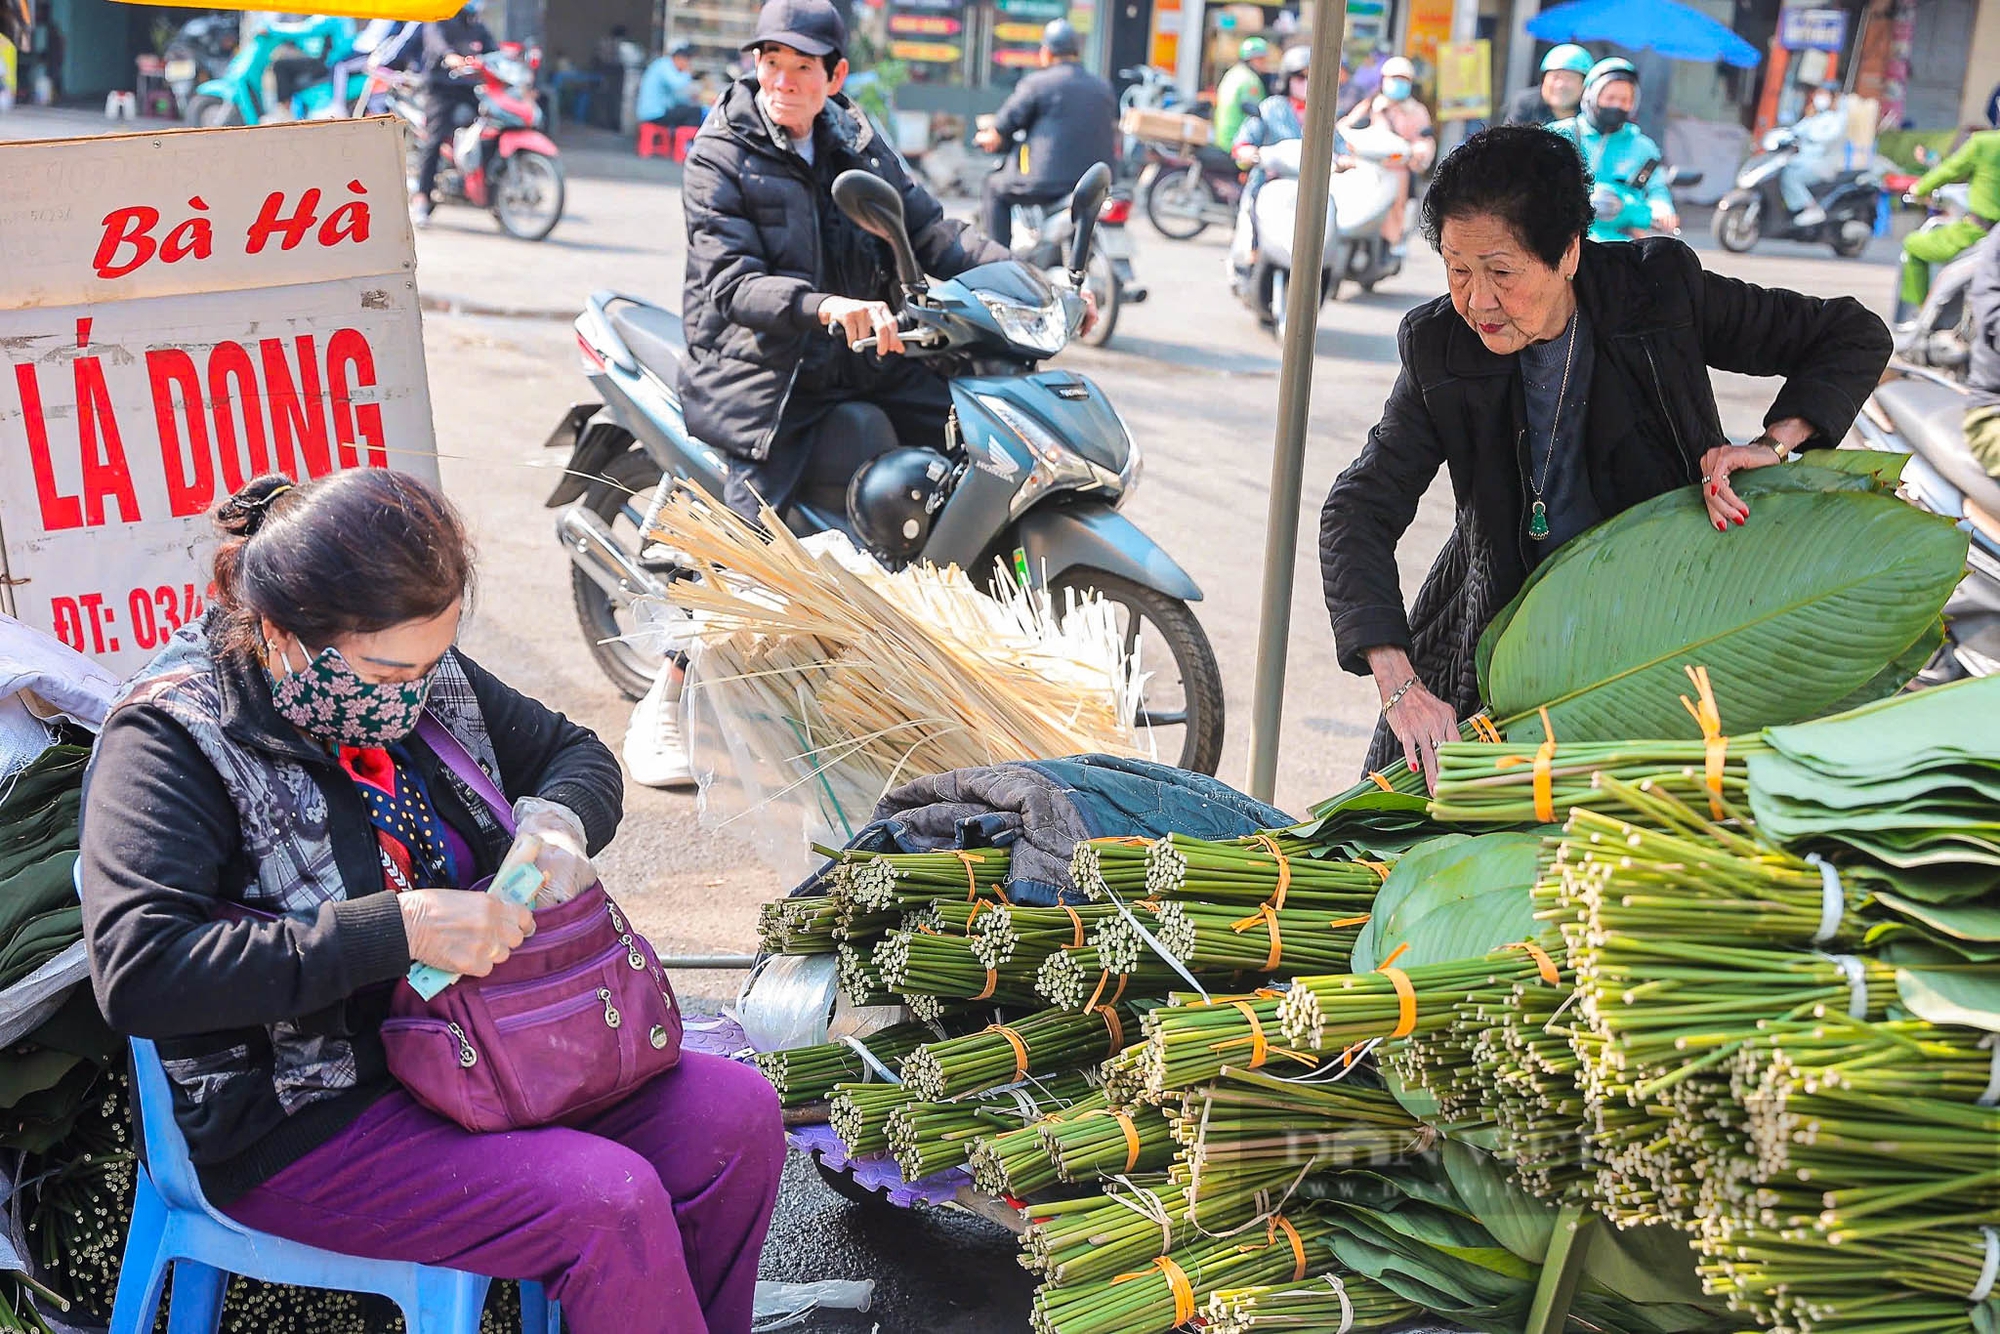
(244, 513)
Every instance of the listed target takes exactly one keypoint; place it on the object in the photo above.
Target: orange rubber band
(1379, 868)
(1545, 754)
(1338, 922)
(1281, 1223)
(1077, 943)
(1020, 1049)
(1382, 782)
(1483, 728)
(1131, 1139)
(1260, 1046)
(1177, 1283)
(1708, 715)
(1114, 1026)
(1269, 917)
(1284, 869)
(992, 985)
(1542, 960)
(1117, 994)
(966, 859)
(1396, 954)
(1407, 993)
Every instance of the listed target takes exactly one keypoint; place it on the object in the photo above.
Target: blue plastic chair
(174, 1227)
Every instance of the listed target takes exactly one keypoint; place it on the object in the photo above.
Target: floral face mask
(327, 698)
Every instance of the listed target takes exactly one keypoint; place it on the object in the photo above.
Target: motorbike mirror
(1683, 176)
(876, 208)
(1092, 189)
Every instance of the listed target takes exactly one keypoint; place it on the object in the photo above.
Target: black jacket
(1660, 321)
(459, 35)
(243, 1006)
(1528, 107)
(756, 271)
(1071, 119)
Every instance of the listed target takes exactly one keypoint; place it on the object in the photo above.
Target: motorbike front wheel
(1102, 279)
(620, 499)
(1177, 207)
(1737, 228)
(528, 197)
(208, 111)
(1181, 702)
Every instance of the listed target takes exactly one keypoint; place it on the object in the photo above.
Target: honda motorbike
(1624, 209)
(1041, 463)
(1188, 188)
(1755, 208)
(1940, 335)
(1041, 241)
(1922, 414)
(1359, 198)
(281, 57)
(199, 51)
(501, 161)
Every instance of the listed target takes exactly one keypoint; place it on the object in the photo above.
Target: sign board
(428, 11)
(1465, 80)
(1812, 29)
(180, 312)
(1429, 29)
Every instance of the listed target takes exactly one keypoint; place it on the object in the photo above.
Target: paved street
(1197, 381)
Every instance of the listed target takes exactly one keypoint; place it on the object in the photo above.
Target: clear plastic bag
(785, 1305)
(787, 1000)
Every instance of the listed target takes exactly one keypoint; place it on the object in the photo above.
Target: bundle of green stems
(999, 931)
(1016, 1163)
(1102, 867)
(1342, 1011)
(1290, 1248)
(1106, 1143)
(798, 926)
(1275, 868)
(1044, 1043)
(1249, 1123)
(1333, 1304)
(928, 1137)
(1486, 784)
(803, 1075)
(1914, 1282)
(1211, 938)
(1097, 1236)
(859, 1115)
(1190, 1042)
(1071, 979)
(880, 881)
(930, 964)
(860, 981)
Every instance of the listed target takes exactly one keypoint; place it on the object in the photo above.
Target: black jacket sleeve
(543, 754)
(726, 262)
(945, 248)
(1365, 515)
(1831, 351)
(158, 832)
(1021, 108)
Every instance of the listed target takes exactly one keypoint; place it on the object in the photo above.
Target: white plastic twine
(1856, 973)
(1347, 1302)
(1991, 1098)
(1833, 902)
(1988, 1271)
(1149, 1207)
(1157, 948)
(873, 1066)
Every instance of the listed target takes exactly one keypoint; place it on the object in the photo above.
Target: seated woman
(1561, 382)
(256, 795)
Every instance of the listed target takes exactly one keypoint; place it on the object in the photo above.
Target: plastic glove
(562, 859)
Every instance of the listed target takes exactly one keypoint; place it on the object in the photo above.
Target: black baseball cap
(810, 26)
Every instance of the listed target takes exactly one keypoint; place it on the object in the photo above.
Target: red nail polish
(1711, 490)
(1739, 521)
(1720, 525)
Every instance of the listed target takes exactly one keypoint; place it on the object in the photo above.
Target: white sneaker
(1810, 216)
(655, 754)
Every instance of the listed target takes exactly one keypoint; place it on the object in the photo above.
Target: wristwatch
(1771, 442)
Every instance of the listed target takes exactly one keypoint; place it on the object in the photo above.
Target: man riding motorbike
(1280, 117)
(1982, 422)
(1821, 136)
(1978, 161)
(1411, 121)
(779, 282)
(1615, 152)
(451, 85)
(1241, 90)
(1070, 118)
(1556, 96)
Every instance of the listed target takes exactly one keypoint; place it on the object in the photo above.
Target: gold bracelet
(1771, 443)
(1396, 697)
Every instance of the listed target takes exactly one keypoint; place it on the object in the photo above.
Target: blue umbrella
(1660, 25)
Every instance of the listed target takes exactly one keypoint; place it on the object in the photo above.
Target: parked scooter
(1359, 198)
(1040, 463)
(282, 57)
(1922, 414)
(1755, 208)
(1146, 89)
(1041, 240)
(1188, 188)
(199, 51)
(1940, 336)
(500, 160)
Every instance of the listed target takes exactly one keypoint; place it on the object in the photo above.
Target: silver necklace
(1538, 513)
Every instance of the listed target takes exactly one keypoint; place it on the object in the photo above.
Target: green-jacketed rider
(1242, 89)
(1977, 161)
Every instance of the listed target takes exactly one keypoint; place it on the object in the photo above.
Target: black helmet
(892, 500)
(1059, 39)
(1297, 60)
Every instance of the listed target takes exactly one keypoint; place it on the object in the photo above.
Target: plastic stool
(684, 140)
(121, 106)
(175, 1228)
(654, 139)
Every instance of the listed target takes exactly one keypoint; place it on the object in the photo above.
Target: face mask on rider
(1609, 120)
(1396, 90)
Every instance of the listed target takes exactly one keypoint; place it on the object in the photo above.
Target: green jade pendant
(1538, 522)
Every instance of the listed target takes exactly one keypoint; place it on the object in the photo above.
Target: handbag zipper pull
(467, 1057)
(611, 1016)
(617, 922)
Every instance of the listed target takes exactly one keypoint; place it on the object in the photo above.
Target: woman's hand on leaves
(1725, 507)
(461, 930)
(1420, 720)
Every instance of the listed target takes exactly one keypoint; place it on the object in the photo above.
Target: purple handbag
(569, 1024)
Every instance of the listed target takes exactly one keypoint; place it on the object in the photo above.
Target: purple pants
(648, 1219)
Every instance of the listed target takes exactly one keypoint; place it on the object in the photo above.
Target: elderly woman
(1561, 382)
(256, 796)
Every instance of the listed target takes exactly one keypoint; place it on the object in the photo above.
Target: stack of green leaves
(928, 1137)
(39, 914)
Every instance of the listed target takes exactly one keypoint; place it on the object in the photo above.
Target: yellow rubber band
(1542, 960)
(1407, 993)
(1708, 716)
(1020, 1049)
(1077, 943)
(1483, 728)
(1284, 1224)
(1177, 1282)
(1284, 869)
(1131, 1139)
(1260, 1046)
(1379, 868)
(1545, 754)
(1359, 920)
(1382, 782)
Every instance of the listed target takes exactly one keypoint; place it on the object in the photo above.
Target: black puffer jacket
(1660, 321)
(1071, 119)
(756, 271)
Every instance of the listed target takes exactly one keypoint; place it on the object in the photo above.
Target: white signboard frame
(181, 312)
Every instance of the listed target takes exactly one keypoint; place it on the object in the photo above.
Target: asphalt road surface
(1197, 381)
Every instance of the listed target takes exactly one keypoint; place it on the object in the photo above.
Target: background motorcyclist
(1556, 97)
(381, 44)
(1821, 135)
(1242, 90)
(1982, 422)
(451, 85)
(1978, 161)
(1280, 117)
(1410, 119)
(1615, 152)
(1070, 119)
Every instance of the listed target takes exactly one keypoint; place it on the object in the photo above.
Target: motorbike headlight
(1042, 328)
(1056, 464)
